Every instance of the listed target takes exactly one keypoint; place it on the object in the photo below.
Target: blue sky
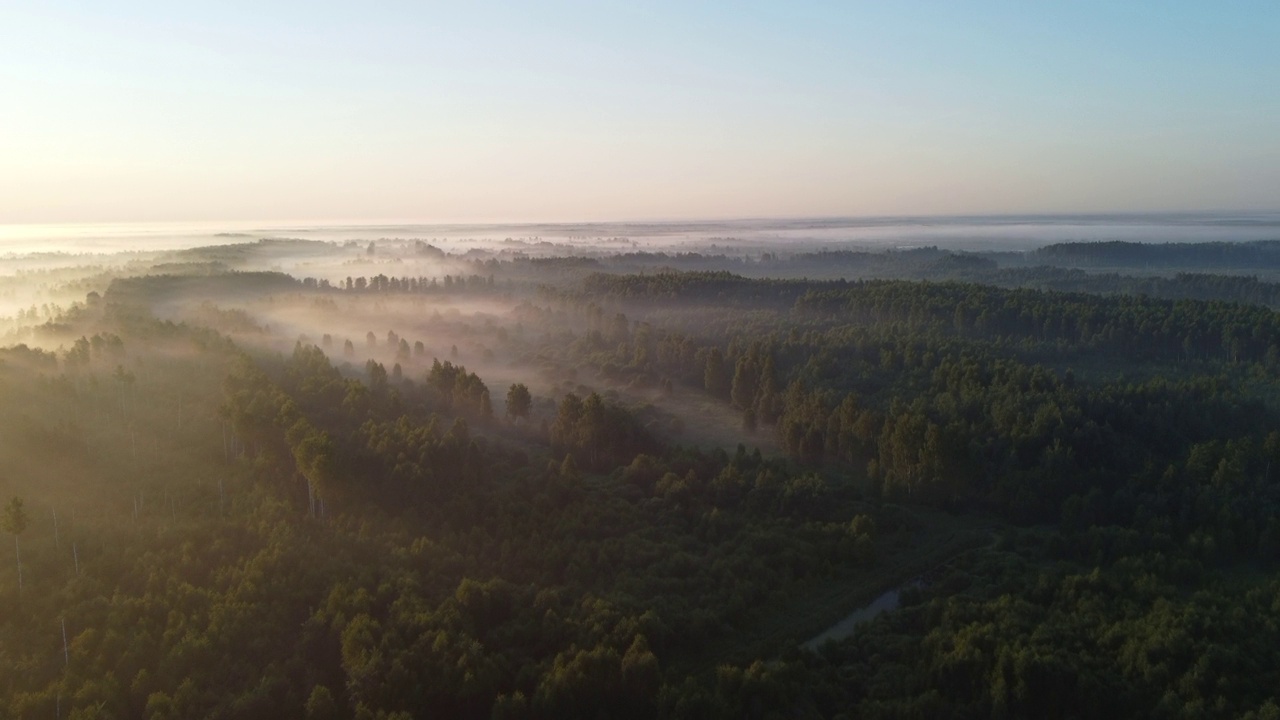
(321, 111)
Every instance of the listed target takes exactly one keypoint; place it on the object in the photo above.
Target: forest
(404, 479)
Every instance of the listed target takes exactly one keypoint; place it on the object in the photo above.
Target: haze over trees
(224, 504)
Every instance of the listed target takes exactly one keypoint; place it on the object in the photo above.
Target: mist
(666, 441)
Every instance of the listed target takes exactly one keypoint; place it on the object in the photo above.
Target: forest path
(934, 539)
(889, 600)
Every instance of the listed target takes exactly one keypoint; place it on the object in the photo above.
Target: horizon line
(391, 222)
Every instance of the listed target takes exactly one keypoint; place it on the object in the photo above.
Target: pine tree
(518, 401)
(15, 521)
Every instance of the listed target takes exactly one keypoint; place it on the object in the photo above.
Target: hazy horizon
(957, 232)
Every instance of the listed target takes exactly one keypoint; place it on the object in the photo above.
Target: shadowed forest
(407, 479)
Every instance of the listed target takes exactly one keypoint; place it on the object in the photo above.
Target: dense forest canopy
(291, 478)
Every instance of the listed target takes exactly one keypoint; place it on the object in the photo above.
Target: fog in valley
(600, 361)
(510, 309)
(520, 471)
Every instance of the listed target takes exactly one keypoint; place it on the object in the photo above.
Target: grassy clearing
(711, 423)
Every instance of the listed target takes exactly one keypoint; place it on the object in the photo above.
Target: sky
(135, 111)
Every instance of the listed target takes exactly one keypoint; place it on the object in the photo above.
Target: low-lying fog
(463, 293)
(47, 269)
(954, 233)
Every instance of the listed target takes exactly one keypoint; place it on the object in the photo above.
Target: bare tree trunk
(17, 551)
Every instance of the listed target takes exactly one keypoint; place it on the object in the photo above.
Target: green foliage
(455, 388)
(518, 401)
(15, 517)
(1117, 640)
(601, 433)
(253, 533)
(716, 375)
